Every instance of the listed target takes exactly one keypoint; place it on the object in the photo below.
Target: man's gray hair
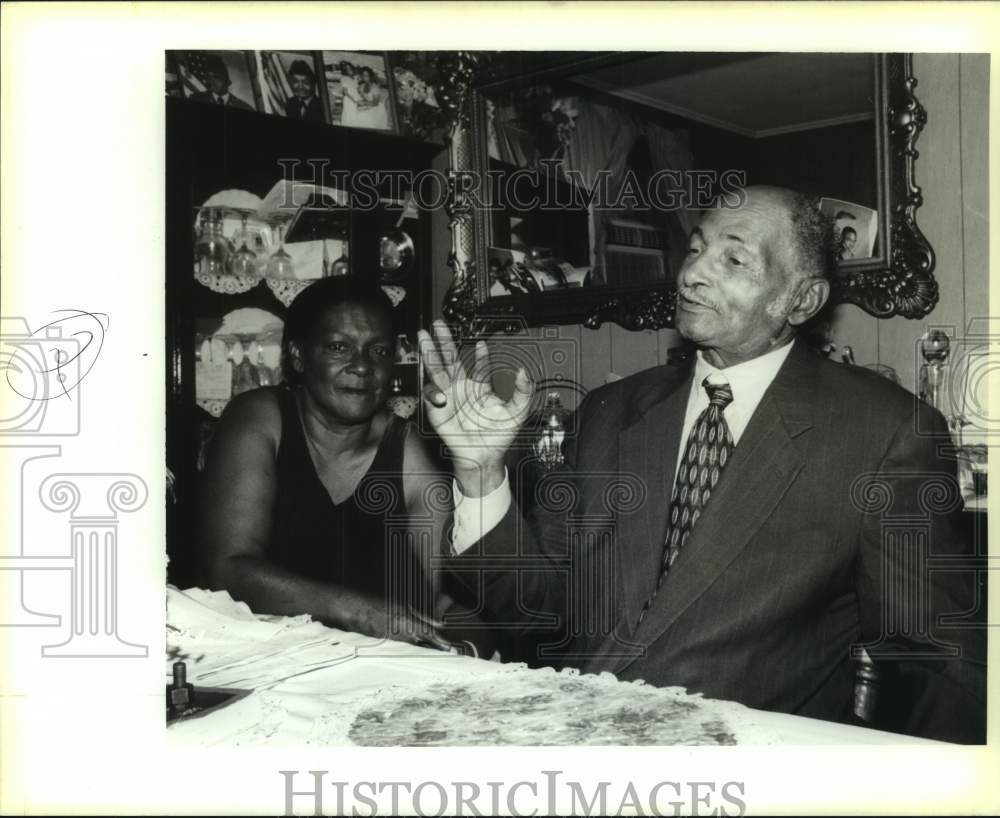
(814, 238)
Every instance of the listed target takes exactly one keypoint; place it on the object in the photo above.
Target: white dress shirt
(749, 381)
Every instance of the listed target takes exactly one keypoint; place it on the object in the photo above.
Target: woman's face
(346, 362)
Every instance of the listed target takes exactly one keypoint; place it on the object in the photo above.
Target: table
(309, 681)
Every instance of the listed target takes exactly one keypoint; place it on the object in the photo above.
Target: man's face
(849, 239)
(218, 83)
(735, 283)
(302, 85)
(346, 362)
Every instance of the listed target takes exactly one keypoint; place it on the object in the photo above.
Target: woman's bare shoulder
(257, 412)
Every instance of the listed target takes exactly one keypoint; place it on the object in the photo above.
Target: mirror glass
(598, 169)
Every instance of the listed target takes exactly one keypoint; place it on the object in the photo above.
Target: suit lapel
(648, 447)
(762, 467)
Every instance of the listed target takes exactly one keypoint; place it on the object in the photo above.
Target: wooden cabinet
(211, 149)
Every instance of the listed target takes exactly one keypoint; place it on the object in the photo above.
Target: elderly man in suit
(749, 561)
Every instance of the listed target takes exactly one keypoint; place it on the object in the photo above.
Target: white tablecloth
(306, 678)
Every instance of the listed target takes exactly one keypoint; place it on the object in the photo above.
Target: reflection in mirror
(598, 172)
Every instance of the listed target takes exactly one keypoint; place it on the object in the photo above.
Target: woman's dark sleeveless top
(348, 543)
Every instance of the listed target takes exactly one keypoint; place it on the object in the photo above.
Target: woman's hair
(314, 301)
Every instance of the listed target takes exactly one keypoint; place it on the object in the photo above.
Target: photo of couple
(357, 90)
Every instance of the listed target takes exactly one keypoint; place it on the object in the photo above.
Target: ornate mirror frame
(897, 281)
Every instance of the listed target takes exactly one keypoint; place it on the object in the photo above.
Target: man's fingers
(482, 359)
(446, 346)
(434, 396)
(428, 352)
(437, 369)
(523, 389)
(523, 384)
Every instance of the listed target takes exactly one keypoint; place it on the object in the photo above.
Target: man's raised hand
(476, 425)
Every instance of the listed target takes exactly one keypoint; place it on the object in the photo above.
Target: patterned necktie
(709, 446)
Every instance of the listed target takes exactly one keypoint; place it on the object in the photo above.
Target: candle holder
(934, 346)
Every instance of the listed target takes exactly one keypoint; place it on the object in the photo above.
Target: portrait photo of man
(304, 103)
(289, 85)
(216, 77)
(855, 226)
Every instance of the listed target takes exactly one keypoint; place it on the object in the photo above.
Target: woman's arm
(238, 495)
(429, 499)
(428, 494)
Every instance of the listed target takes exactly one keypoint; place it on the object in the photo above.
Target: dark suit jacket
(233, 101)
(313, 112)
(792, 562)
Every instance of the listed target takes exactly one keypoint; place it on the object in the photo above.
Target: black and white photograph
(214, 77)
(499, 421)
(713, 300)
(417, 77)
(855, 227)
(357, 86)
(290, 85)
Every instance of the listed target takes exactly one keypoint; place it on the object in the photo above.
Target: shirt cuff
(475, 517)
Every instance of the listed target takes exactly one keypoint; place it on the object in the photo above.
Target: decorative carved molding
(906, 287)
(647, 310)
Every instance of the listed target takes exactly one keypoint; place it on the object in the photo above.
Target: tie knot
(719, 394)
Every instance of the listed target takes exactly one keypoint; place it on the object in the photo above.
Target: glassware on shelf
(212, 248)
(244, 261)
(934, 346)
(280, 264)
(245, 375)
(264, 375)
(342, 266)
(399, 403)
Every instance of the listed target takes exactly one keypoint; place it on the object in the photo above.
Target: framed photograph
(290, 84)
(213, 77)
(358, 92)
(415, 82)
(172, 78)
(856, 225)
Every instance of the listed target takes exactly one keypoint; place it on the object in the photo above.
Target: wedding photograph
(358, 89)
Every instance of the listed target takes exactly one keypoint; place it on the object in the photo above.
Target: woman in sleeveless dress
(318, 500)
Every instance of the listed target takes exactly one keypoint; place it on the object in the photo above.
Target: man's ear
(809, 300)
(295, 356)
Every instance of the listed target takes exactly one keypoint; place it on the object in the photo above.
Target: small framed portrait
(291, 84)
(416, 84)
(213, 77)
(856, 228)
(359, 94)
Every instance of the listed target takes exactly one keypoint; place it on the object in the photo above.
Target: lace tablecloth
(315, 685)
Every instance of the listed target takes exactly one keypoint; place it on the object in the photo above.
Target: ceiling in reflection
(755, 95)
